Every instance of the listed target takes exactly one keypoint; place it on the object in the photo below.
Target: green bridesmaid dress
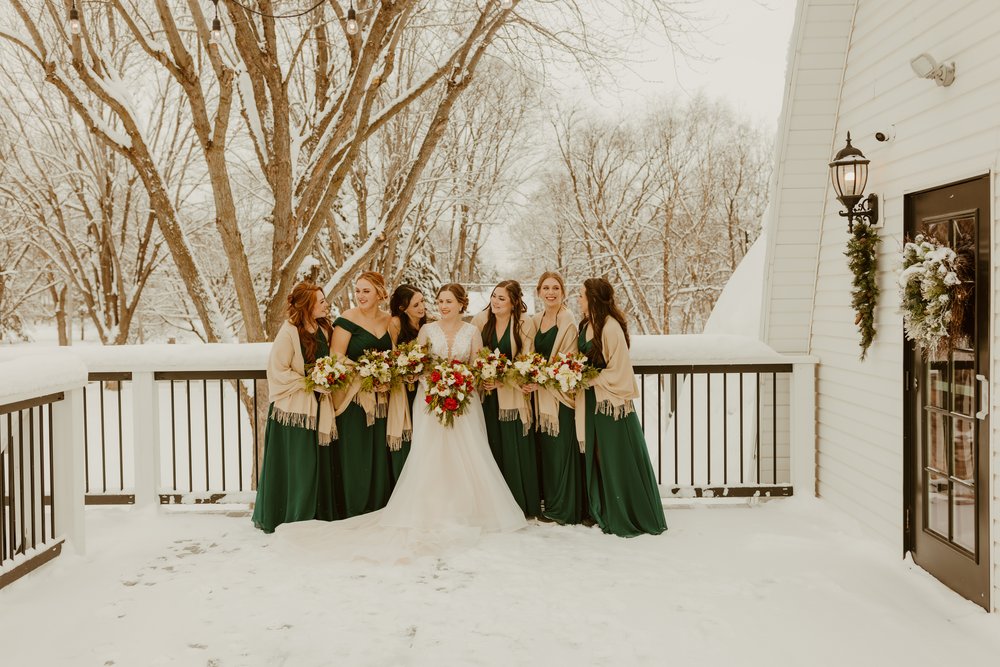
(515, 453)
(289, 486)
(365, 474)
(621, 487)
(563, 482)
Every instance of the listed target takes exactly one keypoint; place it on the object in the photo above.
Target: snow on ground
(789, 582)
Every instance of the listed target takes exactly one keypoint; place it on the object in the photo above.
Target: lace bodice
(466, 341)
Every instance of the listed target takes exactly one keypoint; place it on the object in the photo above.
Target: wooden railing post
(146, 438)
(803, 429)
(69, 491)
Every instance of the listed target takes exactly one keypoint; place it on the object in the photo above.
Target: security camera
(886, 135)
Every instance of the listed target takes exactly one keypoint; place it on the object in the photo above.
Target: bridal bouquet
(328, 373)
(449, 390)
(568, 372)
(374, 368)
(526, 369)
(490, 366)
(408, 360)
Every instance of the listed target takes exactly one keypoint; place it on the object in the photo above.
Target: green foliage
(862, 258)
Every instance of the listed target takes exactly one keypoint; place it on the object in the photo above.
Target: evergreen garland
(862, 258)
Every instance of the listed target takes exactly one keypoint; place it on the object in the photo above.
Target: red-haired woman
(300, 422)
(621, 487)
(507, 409)
(362, 453)
(563, 482)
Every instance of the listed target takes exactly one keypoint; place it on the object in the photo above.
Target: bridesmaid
(365, 473)
(408, 314)
(621, 486)
(299, 423)
(508, 409)
(563, 483)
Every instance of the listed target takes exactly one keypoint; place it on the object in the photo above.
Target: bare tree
(307, 98)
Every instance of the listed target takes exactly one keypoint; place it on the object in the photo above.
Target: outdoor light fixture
(74, 19)
(352, 21)
(926, 67)
(849, 172)
(215, 35)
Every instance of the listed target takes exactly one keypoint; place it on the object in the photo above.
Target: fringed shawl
(615, 387)
(547, 400)
(514, 403)
(294, 405)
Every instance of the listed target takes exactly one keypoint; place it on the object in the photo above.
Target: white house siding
(942, 135)
(815, 69)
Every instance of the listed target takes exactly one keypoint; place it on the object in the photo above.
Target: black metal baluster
(742, 454)
(104, 445)
(725, 429)
(204, 398)
(173, 433)
(708, 427)
(187, 384)
(86, 442)
(222, 432)
(52, 480)
(22, 537)
(673, 412)
(756, 446)
(659, 428)
(31, 474)
(121, 446)
(239, 434)
(774, 428)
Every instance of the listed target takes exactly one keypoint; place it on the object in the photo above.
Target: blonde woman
(362, 454)
(563, 484)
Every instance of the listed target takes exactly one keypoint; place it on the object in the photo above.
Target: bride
(450, 489)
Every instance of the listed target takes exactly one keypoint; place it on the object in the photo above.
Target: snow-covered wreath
(933, 293)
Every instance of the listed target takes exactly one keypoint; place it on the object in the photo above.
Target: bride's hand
(528, 388)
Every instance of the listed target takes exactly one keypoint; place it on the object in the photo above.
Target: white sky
(744, 45)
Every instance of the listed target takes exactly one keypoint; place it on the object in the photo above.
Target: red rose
(450, 404)
(436, 377)
(428, 399)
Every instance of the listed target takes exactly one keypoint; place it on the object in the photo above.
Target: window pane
(965, 450)
(964, 387)
(937, 442)
(937, 504)
(964, 517)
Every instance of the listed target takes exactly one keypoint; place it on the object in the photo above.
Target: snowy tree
(281, 114)
(664, 206)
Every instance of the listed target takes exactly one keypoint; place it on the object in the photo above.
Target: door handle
(984, 396)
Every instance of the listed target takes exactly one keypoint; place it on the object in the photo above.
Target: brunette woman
(505, 327)
(621, 487)
(300, 422)
(366, 477)
(563, 483)
(407, 314)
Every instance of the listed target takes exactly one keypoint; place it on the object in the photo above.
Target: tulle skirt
(449, 492)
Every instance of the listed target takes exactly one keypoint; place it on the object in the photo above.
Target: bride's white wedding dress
(449, 492)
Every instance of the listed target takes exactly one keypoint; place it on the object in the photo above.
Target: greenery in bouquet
(408, 362)
(526, 369)
(490, 366)
(328, 374)
(932, 292)
(375, 369)
(450, 387)
(568, 373)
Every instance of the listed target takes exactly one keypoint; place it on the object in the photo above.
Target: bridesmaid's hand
(381, 388)
(528, 388)
(325, 391)
(489, 386)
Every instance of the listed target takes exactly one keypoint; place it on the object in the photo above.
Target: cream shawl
(294, 405)
(514, 403)
(615, 387)
(547, 400)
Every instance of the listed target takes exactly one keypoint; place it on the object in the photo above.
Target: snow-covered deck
(788, 582)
